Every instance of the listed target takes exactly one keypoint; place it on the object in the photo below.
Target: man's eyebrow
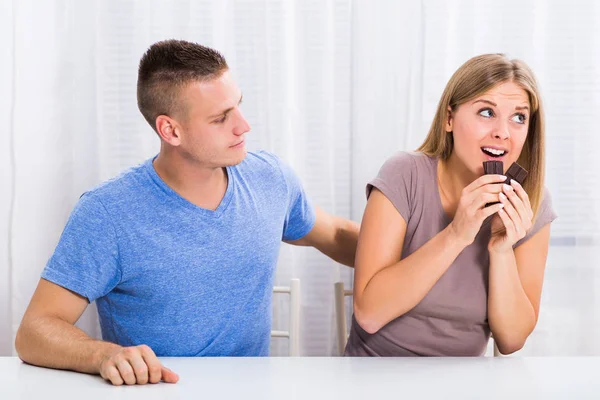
(227, 110)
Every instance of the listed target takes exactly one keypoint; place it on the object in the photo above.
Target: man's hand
(134, 365)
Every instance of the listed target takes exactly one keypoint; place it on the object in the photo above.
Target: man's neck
(201, 185)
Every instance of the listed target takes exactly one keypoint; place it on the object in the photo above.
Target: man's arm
(333, 236)
(47, 337)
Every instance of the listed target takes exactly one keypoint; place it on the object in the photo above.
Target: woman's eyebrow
(485, 101)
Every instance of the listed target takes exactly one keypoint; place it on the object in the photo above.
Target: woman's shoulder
(546, 211)
(409, 157)
(407, 163)
(403, 178)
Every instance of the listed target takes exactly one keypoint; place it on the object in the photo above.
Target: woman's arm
(516, 276)
(515, 288)
(385, 287)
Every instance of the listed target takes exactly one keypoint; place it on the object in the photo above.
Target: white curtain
(333, 87)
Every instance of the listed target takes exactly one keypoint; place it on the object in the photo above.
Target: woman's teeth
(493, 152)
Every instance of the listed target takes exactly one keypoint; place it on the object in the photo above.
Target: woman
(437, 266)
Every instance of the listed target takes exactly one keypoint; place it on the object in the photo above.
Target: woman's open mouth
(493, 153)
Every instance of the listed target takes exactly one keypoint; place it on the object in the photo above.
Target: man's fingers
(112, 375)
(126, 372)
(140, 369)
(154, 366)
(169, 376)
(136, 365)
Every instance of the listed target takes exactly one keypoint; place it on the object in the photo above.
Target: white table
(324, 378)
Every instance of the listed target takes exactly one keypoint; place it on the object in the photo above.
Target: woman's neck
(453, 177)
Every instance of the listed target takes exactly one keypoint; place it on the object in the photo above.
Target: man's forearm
(54, 343)
(333, 236)
(346, 238)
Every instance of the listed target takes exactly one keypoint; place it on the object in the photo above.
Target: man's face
(212, 127)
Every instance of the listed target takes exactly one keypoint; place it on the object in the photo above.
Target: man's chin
(235, 159)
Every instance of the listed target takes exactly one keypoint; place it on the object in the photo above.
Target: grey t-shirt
(451, 320)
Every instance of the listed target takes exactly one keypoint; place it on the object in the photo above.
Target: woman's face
(492, 126)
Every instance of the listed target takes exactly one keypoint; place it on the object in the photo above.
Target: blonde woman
(437, 270)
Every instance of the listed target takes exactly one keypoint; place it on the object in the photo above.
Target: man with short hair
(179, 253)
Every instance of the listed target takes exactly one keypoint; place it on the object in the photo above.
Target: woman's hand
(512, 222)
(471, 211)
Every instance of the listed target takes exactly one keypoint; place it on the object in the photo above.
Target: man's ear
(168, 130)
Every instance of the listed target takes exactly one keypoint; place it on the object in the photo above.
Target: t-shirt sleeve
(546, 215)
(397, 181)
(300, 217)
(86, 259)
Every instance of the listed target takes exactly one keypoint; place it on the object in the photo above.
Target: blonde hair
(472, 79)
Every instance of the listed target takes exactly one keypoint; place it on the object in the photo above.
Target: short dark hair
(167, 67)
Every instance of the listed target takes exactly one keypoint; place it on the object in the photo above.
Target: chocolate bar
(517, 173)
(493, 167)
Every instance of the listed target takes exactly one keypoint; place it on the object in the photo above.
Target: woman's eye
(486, 112)
(519, 118)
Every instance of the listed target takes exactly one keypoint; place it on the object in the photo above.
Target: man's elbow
(23, 341)
(346, 259)
(20, 344)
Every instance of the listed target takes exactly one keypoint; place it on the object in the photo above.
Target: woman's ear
(449, 120)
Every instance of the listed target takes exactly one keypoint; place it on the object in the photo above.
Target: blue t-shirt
(184, 280)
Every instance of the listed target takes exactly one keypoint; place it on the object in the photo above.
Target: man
(179, 253)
